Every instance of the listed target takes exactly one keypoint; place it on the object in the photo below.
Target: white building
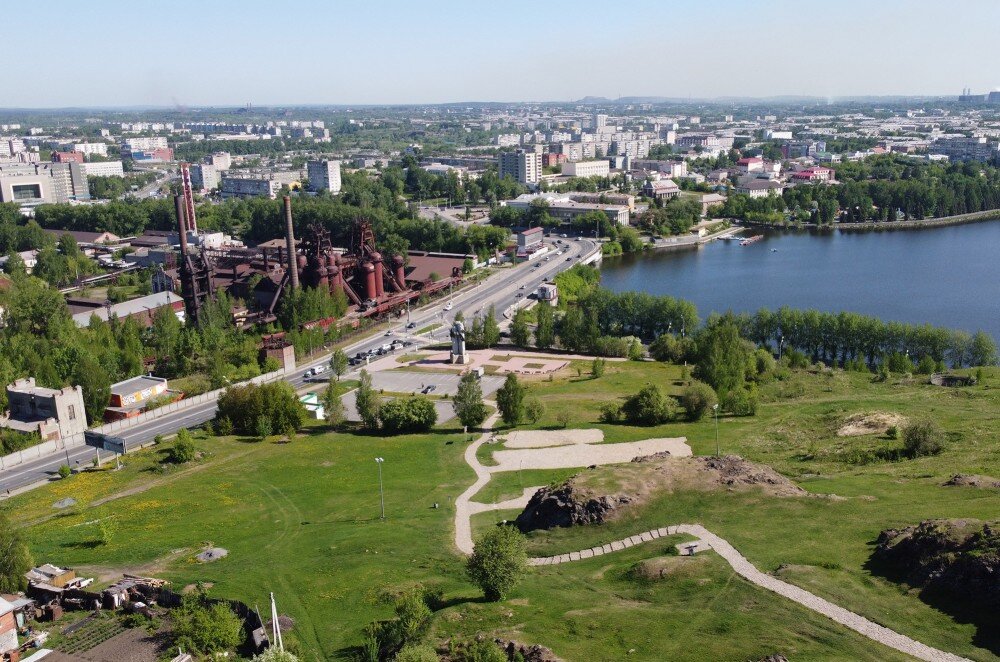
(204, 176)
(103, 169)
(777, 135)
(146, 144)
(587, 169)
(100, 149)
(222, 161)
(249, 187)
(324, 175)
(525, 167)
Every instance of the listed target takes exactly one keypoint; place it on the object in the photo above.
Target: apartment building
(523, 166)
(324, 175)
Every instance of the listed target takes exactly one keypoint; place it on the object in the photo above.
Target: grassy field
(301, 519)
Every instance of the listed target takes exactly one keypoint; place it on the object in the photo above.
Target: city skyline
(210, 55)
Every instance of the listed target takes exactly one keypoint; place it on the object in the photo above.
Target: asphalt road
(499, 290)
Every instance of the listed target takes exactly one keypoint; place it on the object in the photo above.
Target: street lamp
(715, 408)
(381, 494)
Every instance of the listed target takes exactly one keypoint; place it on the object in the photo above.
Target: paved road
(499, 290)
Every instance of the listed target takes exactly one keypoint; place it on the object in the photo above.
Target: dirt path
(465, 508)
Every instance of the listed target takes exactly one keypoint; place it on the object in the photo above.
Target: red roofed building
(818, 174)
(751, 163)
(67, 157)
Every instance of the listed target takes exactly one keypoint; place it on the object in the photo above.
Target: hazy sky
(205, 52)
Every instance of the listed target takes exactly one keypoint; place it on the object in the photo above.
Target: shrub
(386, 638)
(922, 438)
(477, 650)
(892, 432)
(597, 368)
(65, 471)
(498, 562)
(698, 399)
(765, 362)
(206, 628)
(223, 427)
(183, 449)
(925, 366)
(611, 412)
(742, 402)
(649, 407)
(402, 415)
(417, 652)
(563, 418)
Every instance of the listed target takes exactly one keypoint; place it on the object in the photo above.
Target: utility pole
(715, 408)
(381, 493)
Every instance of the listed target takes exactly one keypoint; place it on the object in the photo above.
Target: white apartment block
(103, 169)
(324, 175)
(221, 160)
(204, 176)
(100, 149)
(525, 167)
(145, 144)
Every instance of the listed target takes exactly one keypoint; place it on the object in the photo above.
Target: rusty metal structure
(372, 286)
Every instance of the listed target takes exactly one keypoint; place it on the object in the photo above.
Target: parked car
(411, 325)
(568, 259)
(428, 389)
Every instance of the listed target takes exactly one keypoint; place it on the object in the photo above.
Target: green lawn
(301, 519)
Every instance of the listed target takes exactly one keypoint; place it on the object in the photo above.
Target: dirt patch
(600, 495)
(191, 588)
(104, 574)
(134, 645)
(527, 652)
(545, 438)
(653, 570)
(877, 422)
(64, 503)
(973, 480)
(585, 455)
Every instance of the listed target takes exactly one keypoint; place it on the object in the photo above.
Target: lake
(946, 276)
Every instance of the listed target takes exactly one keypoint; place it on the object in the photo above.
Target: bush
(417, 652)
(922, 438)
(765, 362)
(892, 432)
(477, 650)
(611, 412)
(206, 628)
(403, 415)
(698, 399)
(413, 618)
(275, 655)
(498, 562)
(649, 407)
(926, 365)
(183, 449)
(223, 427)
(742, 402)
(65, 471)
(245, 405)
(563, 418)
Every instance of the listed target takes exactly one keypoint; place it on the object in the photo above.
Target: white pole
(275, 627)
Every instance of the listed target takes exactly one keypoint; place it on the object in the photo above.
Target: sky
(105, 53)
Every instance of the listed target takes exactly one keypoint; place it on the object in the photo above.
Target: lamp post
(715, 408)
(381, 494)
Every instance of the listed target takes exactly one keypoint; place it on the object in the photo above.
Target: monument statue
(458, 343)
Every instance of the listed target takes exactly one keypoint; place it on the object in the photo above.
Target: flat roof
(130, 386)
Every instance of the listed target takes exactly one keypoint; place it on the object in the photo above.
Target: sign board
(104, 442)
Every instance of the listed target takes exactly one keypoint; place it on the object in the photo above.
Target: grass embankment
(301, 519)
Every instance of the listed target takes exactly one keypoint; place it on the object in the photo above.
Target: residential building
(53, 413)
(103, 169)
(324, 175)
(587, 169)
(152, 149)
(977, 148)
(529, 238)
(802, 148)
(249, 187)
(550, 159)
(751, 164)
(817, 174)
(523, 166)
(771, 134)
(566, 206)
(98, 149)
(204, 176)
(222, 161)
(32, 184)
(8, 629)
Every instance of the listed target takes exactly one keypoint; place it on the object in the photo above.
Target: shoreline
(878, 226)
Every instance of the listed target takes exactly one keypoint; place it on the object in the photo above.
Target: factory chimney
(181, 225)
(293, 266)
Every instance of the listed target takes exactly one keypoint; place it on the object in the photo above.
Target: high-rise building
(324, 176)
(204, 176)
(30, 184)
(600, 121)
(525, 167)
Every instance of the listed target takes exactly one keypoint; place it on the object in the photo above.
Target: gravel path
(748, 571)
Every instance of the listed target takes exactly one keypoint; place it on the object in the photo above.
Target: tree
(338, 363)
(183, 449)
(468, 401)
(15, 558)
(491, 330)
(96, 386)
(648, 407)
(246, 405)
(333, 406)
(597, 368)
(510, 400)
(544, 326)
(65, 471)
(698, 398)
(204, 627)
(367, 402)
(726, 360)
(534, 410)
(498, 562)
(520, 335)
(563, 418)
(982, 350)
(407, 415)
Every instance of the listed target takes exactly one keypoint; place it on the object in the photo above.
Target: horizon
(201, 56)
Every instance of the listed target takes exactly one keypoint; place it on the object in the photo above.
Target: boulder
(565, 506)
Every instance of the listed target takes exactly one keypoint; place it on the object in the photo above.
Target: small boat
(751, 240)
(774, 250)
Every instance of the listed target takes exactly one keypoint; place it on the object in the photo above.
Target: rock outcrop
(958, 557)
(972, 480)
(529, 653)
(565, 505)
(733, 470)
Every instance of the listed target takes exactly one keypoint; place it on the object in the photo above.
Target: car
(427, 389)
(562, 235)
(518, 295)
(407, 343)
(568, 259)
(522, 287)
(388, 333)
(315, 370)
(449, 305)
(411, 325)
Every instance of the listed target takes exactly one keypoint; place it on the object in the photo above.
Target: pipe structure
(181, 229)
(293, 268)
